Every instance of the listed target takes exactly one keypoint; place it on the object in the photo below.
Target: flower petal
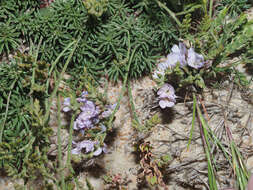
(195, 60)
(173, 59)
(105, 149)
(98, 151)
(87, 144)
(183, 49)
(166, 103)
(84, 94)
(67, 102)
(175, 49)
(166, 88)
(76, 151)
(66, 109)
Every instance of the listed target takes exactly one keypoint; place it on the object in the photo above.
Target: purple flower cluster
(88, 118)
(180, 55)
(89, 112)
(167, 97)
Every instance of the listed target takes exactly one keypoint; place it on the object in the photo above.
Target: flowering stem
(124, 83)
(70, 142)
(56, 61)
(58, 82)
(205, 139)
(172, 14)
(132, 103)
(210, 8)
(193, 121)
(204, 4)
(34, 65)
(59, 141)
(6, 110)
(123, 89)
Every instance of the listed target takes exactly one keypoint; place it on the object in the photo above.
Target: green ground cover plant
(104, 33)
(23, 135)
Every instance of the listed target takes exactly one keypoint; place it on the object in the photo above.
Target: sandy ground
(188, 168)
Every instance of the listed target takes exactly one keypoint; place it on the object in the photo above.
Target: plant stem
(58, 82)
(124, 82)
(193, 121)
(68, 164)
(132, 103)
(172, 14)
(204, 135)
(210, 8)
(34, 66)
(59, 141)
(6, 110)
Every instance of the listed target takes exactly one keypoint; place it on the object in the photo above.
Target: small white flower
(167, 96)
(67, 105)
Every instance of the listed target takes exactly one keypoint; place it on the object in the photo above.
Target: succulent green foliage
(247, 35)
(105, 27)
(24, 137)
(12, 8)
(178, 6)
(148, 125)
(14, 17)
(58, 25)
(8, 38)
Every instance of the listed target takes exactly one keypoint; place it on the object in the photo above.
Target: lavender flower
(67, 105)
(80, 123)
(100, 150)
(108, 110)
(195, 60)
(89, 113)
(85, 144)
(88, 117)
(103, 128)
(88, 146)
(163, 66)
(83, 99)
(179, 54)
(167, 97)
(86, 120)
(84, 94)
(88, 110)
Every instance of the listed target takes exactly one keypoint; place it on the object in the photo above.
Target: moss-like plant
(23, 137)
(103, 27)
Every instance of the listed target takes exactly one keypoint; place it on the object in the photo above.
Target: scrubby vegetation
(113, 40)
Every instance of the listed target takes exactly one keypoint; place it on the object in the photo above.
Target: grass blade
(193, 121)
